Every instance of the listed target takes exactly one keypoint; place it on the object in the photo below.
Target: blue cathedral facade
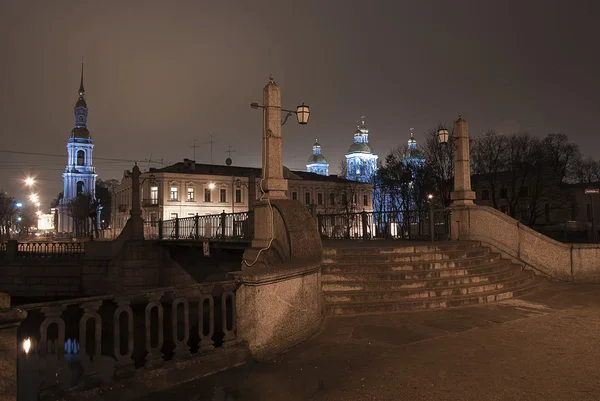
(317, 163)
(361, 160)
(79, 176)
(413, 157)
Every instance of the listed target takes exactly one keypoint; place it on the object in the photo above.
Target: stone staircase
(371, 279)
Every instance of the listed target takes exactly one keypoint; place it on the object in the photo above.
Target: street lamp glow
(34, 197)
(38, 204)
(211, 185)
(29, 181)
(27, 345)
(19, 204)
(302, 113)
(443, 135)
(430, 196)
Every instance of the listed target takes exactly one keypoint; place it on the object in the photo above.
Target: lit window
(154, 194)
(207, 195)
(190, 193)
(223, 195)
(174, 193)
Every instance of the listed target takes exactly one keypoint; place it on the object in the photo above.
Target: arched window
(80, 157)
(80, 187)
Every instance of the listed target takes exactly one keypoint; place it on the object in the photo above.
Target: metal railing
(223, 226)
(429, 224)
(49, 250)
(97, 340)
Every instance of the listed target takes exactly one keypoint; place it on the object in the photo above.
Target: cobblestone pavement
(542, 347)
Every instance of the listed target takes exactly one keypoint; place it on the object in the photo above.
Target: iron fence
(223, 226)
(428, 224)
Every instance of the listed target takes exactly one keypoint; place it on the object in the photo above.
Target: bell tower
(79, 177)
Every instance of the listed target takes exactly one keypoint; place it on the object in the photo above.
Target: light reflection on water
(34, 369)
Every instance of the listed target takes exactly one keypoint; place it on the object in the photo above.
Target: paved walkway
(543, 347)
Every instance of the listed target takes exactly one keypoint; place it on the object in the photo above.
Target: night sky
(160, 74)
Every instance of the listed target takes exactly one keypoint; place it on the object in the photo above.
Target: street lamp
(302, 113)
(34, 197)
(29, 181)
(443, 135)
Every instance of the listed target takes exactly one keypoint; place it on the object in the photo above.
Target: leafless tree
(439, 159)
(488, 155)
(587, 171)
(8, 212)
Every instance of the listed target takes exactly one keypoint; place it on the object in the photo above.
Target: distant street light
(34, 197)
(29, 181)
(19, 204)
(211, 185)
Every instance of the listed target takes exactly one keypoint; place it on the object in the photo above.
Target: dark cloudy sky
(159, 74)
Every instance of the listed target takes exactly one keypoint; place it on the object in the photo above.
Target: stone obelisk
(462, 194)
(274, 184)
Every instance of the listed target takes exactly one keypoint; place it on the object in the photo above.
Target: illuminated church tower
(317, 163)
(361, 161)
(79, 176)
(413, 156)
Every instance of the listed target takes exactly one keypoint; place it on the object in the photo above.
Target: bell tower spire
(81, 89)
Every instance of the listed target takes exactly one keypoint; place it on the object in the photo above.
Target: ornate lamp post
(273, 183)
(462, 194)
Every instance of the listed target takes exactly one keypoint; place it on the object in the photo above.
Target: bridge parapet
(222, 226)
(82, 345)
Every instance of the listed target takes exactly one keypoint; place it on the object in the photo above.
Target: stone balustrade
(84, 343)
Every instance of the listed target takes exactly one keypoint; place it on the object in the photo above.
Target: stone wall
(568, 262)
(42, 279)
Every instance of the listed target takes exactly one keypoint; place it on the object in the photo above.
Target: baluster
(124, 366)
(49, 361)
(155, 356)
(182, 349)
(229, 339)
(206, 341)
(90, 310)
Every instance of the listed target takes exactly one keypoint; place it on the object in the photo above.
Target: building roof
(190, 167)
(360, 147)
(317, 158)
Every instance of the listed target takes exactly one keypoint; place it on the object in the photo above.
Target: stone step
(370, 307)
(410, 293)
(417, 248)
(510, 272)
(406, 257)
(416, 274)
(414, 266)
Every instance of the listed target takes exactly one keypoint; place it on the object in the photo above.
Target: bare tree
(488, 154)
(562, 155)
(8, 212)
(586, 171)
(440, 165)
(520, 151)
